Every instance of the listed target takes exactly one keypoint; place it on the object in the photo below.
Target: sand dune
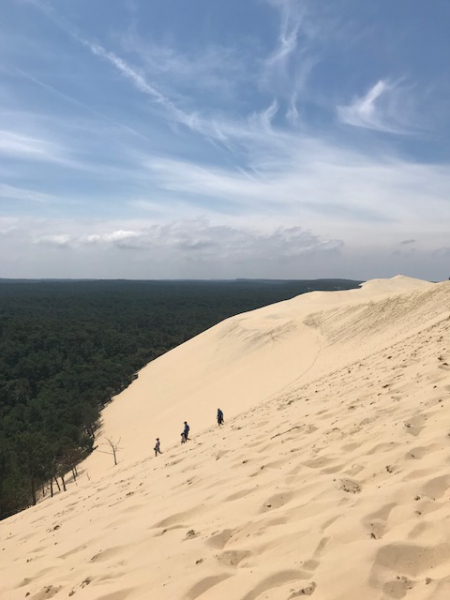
(330, 477)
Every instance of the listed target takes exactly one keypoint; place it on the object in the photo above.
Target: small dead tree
(114, 448)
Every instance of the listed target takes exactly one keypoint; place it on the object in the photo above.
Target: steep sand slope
(335, 485)
(251, 357)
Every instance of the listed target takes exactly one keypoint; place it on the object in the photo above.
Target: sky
(212, 139)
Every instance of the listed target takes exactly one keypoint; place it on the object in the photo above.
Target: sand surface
(330, 477)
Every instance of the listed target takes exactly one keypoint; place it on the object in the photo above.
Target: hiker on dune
(185, 434)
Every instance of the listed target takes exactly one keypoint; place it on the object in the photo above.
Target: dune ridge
(330, 478)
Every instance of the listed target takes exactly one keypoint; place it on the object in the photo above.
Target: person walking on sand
(186, 430)
(219, 417)
(157, 447)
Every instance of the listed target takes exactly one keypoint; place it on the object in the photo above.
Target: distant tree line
(67, 347)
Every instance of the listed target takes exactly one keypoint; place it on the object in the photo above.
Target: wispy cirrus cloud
(19, 145)
(127, 70)
(78, 104)
(310, 181)
(265, 117)
(288, 34)
(209, 124)
(214, 68)
(10, 192)
(386, 107)
(291, 62)
(140, 82)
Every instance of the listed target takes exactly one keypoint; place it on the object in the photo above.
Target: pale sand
(331, 476)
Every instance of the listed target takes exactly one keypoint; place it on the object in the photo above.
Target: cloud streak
(214, 68)
(288, 34)
(320, 184)
(77, 103)
(141, 84)
(385, 108)
(14, 144)
(290, 64)
(10, 192)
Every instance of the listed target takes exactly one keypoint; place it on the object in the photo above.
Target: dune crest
(329, 479)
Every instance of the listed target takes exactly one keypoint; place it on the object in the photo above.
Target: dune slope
(330, 477)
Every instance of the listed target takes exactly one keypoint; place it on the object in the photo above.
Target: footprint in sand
(274, 581)
(376, 522)
(350, 486)
(177, 519)
(412, 560)
(240, 494)
(415, 425)
(306, 591)
(205, 584)
(48, 592)
(220, 540)
(437, 487)
(398, 588)
(233, 558)
(318, 463)
(312, 564)
(417, 453)
(383, 447)
(37, 575)
(119, 595)
(277, 501)
(105, 555)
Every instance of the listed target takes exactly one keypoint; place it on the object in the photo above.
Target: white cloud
(386, 107)
(292, 114)
(140, 83)
(9, 192)
(287, 40)
(198, 248)
(198, 239)
(18, 145)
(59, 240)
(8, 225)
(288, 67)
(121, 238)
(85, 108)
(329, 189)
(212, 67)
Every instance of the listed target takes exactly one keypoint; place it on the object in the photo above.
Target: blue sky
(210, 139)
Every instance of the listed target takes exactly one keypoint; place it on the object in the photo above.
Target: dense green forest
(66, 347)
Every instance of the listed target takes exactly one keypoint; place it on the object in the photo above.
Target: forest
(67, 347)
